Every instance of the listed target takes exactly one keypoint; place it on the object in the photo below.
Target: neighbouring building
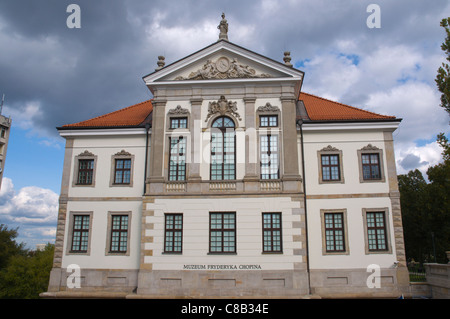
(5, 127)
(230, 182)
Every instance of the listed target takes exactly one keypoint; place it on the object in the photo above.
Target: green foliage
(443, 76)
(24, 274)
(26, 277)
(426, 210)
(8, 245)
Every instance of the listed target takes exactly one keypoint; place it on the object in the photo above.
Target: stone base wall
(223, 284)
(94, 280)
(352, 283)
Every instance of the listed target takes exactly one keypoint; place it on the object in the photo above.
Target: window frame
(178, 119)
(386, 228)
(268, 135)
(122, 155)
(272, 230)
(369, 150)
(178, 154)
(222, 231)
(173, 230)
(85, 156)
(343, 213)
(222, 152)
(331, 151)
(72, 230)
(268, 117)
(110, 230)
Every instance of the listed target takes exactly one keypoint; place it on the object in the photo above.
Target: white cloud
(410, 156)
(33, 209)
(418, 104)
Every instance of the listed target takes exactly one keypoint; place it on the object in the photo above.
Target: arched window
(223, 149)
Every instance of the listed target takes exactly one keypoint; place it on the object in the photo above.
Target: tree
(27, 276)
(443, 76)
(8, 246)
(412, 188)
(439, 200)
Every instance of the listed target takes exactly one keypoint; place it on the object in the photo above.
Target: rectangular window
(178, 122)
(119, 233)
(173, 235)
(269, 157)
(334, 232)
(272, 242)
(80, 233)
(122, 174)
(177, 159)
(268, 121)
(85, 172)
(330, 168)
(371, 166)
(222, 233)
(376, 231)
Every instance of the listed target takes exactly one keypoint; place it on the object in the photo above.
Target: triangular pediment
(223, 60)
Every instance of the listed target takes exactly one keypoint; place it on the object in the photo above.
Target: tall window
(222, 233)
(173, 236)
(122, 172)
(269, 157)
(371, 166)
(376, 231)
(272, 232)
(80, 233)
(119, 233)
(177, 159)
(334, 232)
(223, 156)
(330, 168)
(85, 171)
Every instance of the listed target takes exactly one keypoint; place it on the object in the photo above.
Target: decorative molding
(329, 148)
(370, 147)
(222, 106)
(178, 110)
(122, 153)
(223, 68)
(268, 108)
(86, 153)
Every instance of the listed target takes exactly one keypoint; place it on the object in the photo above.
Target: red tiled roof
(130, 116)
(320, 109)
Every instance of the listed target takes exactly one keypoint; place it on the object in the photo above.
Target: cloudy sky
(54, 75)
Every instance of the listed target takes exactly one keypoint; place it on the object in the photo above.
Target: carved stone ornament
(329, 148)
(86, 153)
(268, 108)
(222, 106)
(370, 147)
(123, 153)
(223, 68)
(178, 110)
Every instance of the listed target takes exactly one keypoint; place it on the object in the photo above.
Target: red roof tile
(130, 116)
(320, 109)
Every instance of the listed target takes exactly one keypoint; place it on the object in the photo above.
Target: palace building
(230, 182)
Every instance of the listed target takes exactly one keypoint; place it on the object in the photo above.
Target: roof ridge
(346, 105)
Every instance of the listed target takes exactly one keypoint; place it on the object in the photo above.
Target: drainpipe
(147, 129)
(300, 124)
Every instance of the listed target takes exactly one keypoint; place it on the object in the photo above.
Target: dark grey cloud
(411, 161)
(76, 74)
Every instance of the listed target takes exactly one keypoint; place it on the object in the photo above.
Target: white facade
(200, 89)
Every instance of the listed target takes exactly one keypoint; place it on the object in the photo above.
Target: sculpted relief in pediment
(223, 68)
